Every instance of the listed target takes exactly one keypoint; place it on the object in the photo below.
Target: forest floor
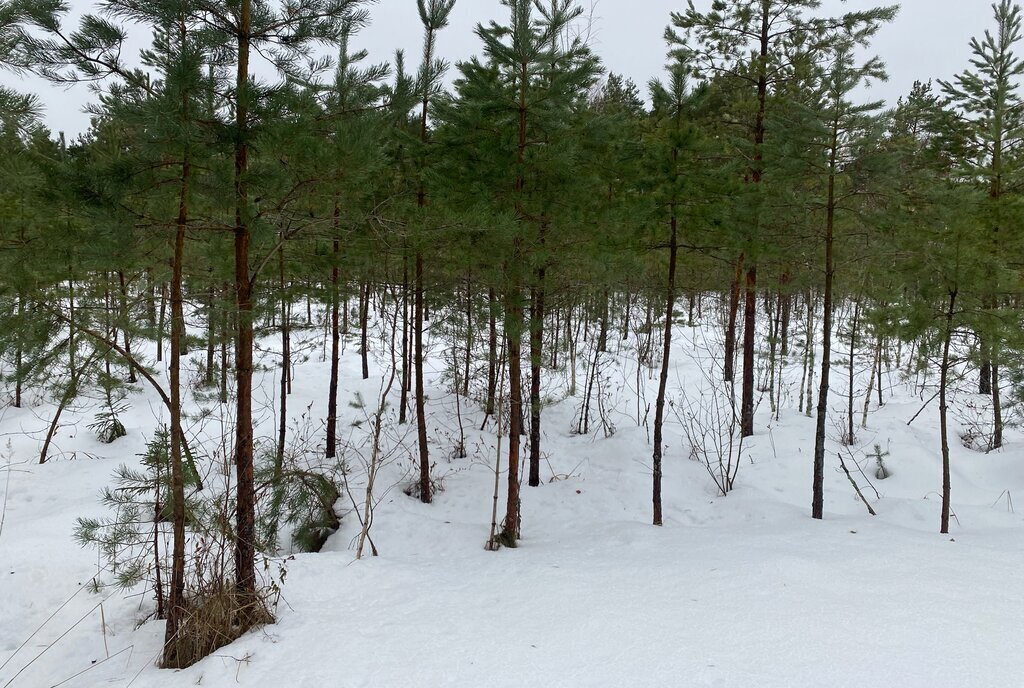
(739, 591)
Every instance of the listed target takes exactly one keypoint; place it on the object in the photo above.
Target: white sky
(928, 40)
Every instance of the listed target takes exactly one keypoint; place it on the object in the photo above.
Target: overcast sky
(928, 40)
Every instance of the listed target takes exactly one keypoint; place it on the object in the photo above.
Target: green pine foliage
(301, 499)
(132, 541)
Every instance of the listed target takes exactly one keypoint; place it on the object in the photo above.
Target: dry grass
(217, 617)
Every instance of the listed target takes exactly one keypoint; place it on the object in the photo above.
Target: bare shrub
(711, 428)
(978, 427)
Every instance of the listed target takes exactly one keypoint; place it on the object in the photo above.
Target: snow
(737, 591)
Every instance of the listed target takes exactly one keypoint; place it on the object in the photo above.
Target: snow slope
(736, 591)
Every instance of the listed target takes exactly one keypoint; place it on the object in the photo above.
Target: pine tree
(751, 44)
(525, 92)
(990, 114)
(846, 131)
(676, 191)
(933, 248)
(434, 16)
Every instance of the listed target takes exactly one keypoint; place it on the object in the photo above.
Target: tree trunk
(774, 314)
(69, 393)
(125, 320)
(536, 353)
(997, 407)
(659, 407)
(286, 364)
(150, 298)
(755, 175)
(947, 337)
(809, 351)
(364, 326)
(787, 306)
(876, 375)
(749, 332)
(729, 364)
(225, 329)
(161, 323)
(817, 489)
(492, 352)
(513, 334)
(71, 324)
(421, 413)
(19, 357)
(602, 338)
(211, 336)
(332, 391)
(177, 609)
(403, 402)
(245, 501)
(985, 374)
(469, 335)
(854, 326)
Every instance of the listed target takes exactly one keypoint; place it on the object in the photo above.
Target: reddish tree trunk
(245, 501)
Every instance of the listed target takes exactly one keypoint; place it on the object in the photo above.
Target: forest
(451, 340)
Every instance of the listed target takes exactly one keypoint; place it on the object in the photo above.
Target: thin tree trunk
(19, 357)
(469, 334)
(513, 334)
(749, 333)
(109, 330)
(71, 324)
(787, 305)
(997, 407)
(774, 315)
(364, 326)
(211, 336)
(158, 580)
(985, 374)
(810, 351)
(177, 610)
(755, 177)
(420, 393)
(286, 364)
(69, 394)
(403, 403)
(878, 364)
(555, 334)
(332, 391)
(225, 322)
(876, 372)
(537, 314)
(161, 323)
(854, 326)
(818, 489)
(125, 319)
(659, 407)
(728, 370)
(947, 338)
(602, 338)
(627, 316)
(150, 298)
(492, 352)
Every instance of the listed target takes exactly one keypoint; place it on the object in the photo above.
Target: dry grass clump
(216, 617)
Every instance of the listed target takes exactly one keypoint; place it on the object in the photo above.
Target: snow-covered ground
(738, 591)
